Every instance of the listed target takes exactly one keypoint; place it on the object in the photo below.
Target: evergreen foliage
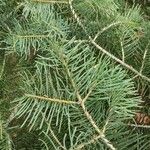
(73, 74)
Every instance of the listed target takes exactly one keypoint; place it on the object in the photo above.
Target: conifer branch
(120, 62)
(32, 36)
(91, 141)
(139, 126)
(90, 91)
(71, 80)
(53, 134)
(3, 67)
(134, 77)
(102, 49)
(12, 115)
(106, 123)
(88, 94)
(122, 50)
(51, 99)
(80, 100)
(50, 1)
(89, 117)
(87, 114)
(56, 139)
(93, 123)
(1, 128)
(64, 65)
(144, 57)
(106, 28)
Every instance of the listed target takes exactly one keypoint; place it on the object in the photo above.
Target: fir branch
(50, 99)
(122, 50)
(91, 141)
(106, 28)
(139, 126)
(56, 139)
(90, 90)
(88, 94)
(93, 123)
(87, 83)
(102, 49)
(32, 36)
(87, 114)
(120, 61)
(3, 67)
(106, 123)
(53, 134)
(78, 41)
(1, 128)
(144, 57)
(80, 100)
(89, 117)
(12, 115)
(50, 1)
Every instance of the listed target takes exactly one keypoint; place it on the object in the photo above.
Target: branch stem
(106, 28)
(144, 57)
(3, 67)
(92, 140)
(120, 61)
(53, 134)
(50, 1)
(139, 126)
(51, 99)
(93, 123)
